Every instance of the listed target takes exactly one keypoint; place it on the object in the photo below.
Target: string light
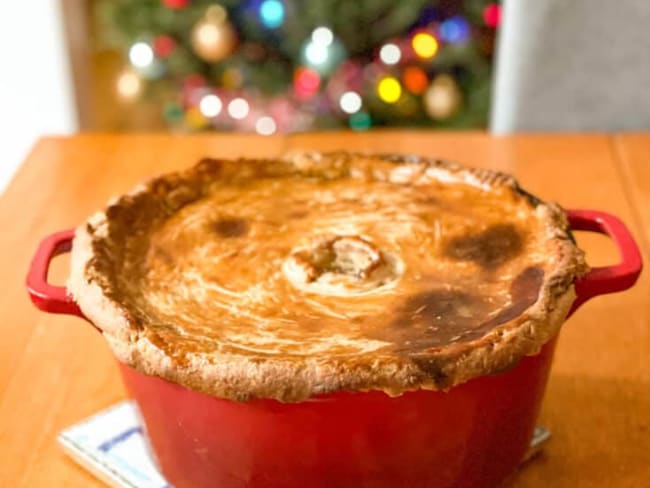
(415, 80)
(265, 126)
(306, 82)
(210, 105)
(492, 15)
(360, 121)
(316, 53)
(322, 36)
(390, 53)
(238, 108)
(141, 55)
(424, 45)
(350, 102)
(129, 85)
(389, 89)
(272, 13)
(454, 30)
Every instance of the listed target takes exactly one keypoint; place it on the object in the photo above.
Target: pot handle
(46, 297)
(606, 279)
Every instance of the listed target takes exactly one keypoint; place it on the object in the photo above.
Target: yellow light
(389, 89)
(425, 45)
(129, 85)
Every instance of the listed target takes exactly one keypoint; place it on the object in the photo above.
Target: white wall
(36, 94)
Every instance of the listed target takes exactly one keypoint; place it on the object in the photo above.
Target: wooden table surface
(56, 370)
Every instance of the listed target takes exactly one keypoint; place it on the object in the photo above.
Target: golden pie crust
(316, 273)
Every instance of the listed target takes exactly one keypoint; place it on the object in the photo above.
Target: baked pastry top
(316, 273)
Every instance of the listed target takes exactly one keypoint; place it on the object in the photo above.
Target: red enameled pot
(473, 435)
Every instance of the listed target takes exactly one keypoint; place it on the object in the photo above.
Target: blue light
(454, 30)
(272, 13)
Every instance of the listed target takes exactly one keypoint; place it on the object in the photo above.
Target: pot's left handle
(51, 298)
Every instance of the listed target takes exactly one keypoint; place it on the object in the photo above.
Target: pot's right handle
(606, 279)
(47, 297)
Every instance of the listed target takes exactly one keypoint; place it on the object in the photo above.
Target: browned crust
(239, 377)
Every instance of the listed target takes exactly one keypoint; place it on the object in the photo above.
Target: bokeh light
(129, 85)
(306, 82)
(141, 55)
(415, 79)
(265, 126)
(360, 121)
(272, 13)
(389, 89)
(316, 53)
(210, 105)
(322, 36)
(390, 53)
(350, 102)
(492, 15)
(455, 30)
(425, 45)
(238, 108)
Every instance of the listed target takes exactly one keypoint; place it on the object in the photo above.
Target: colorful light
(424, 45)
(350, 102)
(492, 15)
(129, 85)
(360, 121)
(389, 89)
(265, 126)
(272, 13)
(415, 80)
(195, 119)
(454, 30)
(322, 36)
(316, 53)
(210, 105)
(306, 82)
(238, 108)
(141, 55)
(232, 78)
(172, 112)
(390, 53)
(163, 46)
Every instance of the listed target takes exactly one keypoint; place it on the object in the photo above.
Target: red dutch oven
(473, 435)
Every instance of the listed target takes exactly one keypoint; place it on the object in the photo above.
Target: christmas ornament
(443, 98)
(176, 4)
(213, 37)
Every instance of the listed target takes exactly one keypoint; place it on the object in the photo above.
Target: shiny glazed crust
(241, 377)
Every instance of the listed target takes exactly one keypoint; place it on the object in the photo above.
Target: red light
(492, 15)
(163, 46)
(415, 80)
(305, 82)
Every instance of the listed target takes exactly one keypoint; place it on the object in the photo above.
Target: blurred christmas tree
(292, 65)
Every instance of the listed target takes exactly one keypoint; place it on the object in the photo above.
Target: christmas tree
(291, 65)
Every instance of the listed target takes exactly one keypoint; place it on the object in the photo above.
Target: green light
(360, 121)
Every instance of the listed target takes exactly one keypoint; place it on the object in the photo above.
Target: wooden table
(56, 370)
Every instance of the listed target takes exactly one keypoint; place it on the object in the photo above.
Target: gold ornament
(443, 98)
(213, 37)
